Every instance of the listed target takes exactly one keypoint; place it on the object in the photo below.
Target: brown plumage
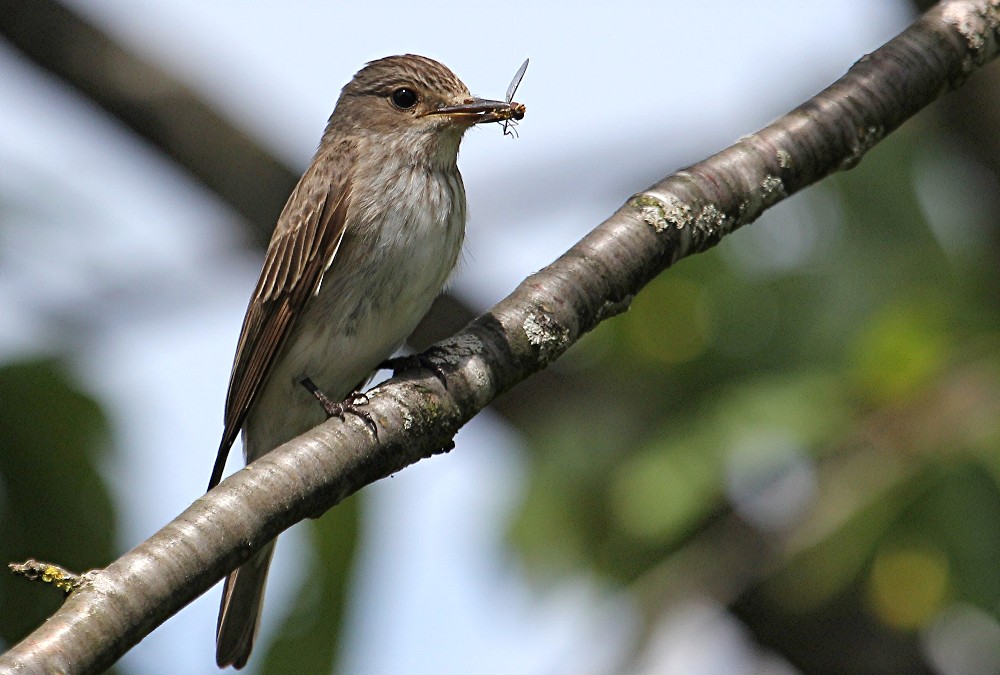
(366, 240)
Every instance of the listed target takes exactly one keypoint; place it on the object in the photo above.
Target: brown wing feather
(305, 240)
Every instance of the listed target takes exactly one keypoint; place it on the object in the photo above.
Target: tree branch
(684, 214)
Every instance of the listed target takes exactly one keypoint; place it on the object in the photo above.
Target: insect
(516, 111)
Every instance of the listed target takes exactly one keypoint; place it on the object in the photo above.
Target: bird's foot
(423, 360)
(349, 405)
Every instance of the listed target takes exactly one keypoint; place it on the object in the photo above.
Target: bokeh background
(782, 459)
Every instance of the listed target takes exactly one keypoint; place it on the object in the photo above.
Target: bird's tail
(239, 615)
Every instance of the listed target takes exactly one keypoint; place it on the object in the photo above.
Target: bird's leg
(415, 362)
(348, 406)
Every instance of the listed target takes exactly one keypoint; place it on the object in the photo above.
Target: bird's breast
(403, 235)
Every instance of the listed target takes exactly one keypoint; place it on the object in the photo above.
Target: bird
(365, 242)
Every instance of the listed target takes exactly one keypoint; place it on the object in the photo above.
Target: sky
(618, 95)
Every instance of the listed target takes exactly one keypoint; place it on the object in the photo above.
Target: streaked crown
(385, 75)
(397, 92)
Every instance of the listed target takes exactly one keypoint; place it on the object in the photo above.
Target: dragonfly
(516, 110)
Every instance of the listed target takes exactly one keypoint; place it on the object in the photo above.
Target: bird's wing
(303, 247)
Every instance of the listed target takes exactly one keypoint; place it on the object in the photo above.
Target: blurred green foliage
(54, 504)
(845, 350)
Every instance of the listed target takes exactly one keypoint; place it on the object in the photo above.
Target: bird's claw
(339, 409)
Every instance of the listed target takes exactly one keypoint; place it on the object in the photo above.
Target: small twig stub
(48, 573)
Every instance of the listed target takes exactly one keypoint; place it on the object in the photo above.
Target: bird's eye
(404, 98)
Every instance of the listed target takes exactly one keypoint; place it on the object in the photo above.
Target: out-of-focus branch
(172, 117)
(155, 105)
(684, 214)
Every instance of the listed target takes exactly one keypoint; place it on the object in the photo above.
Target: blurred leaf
(309, 641)
(908, 586)
(901, 350)
(659, 495)
(54, 505)
(960, 519)
(828, 568)
(669, 321)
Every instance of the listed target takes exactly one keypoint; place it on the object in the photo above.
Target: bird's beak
(480, 110)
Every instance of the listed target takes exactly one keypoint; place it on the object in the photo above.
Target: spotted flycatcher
(365, 242)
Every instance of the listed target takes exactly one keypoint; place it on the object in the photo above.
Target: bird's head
(414, 98)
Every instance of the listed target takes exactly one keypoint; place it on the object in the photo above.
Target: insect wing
(516, 82)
